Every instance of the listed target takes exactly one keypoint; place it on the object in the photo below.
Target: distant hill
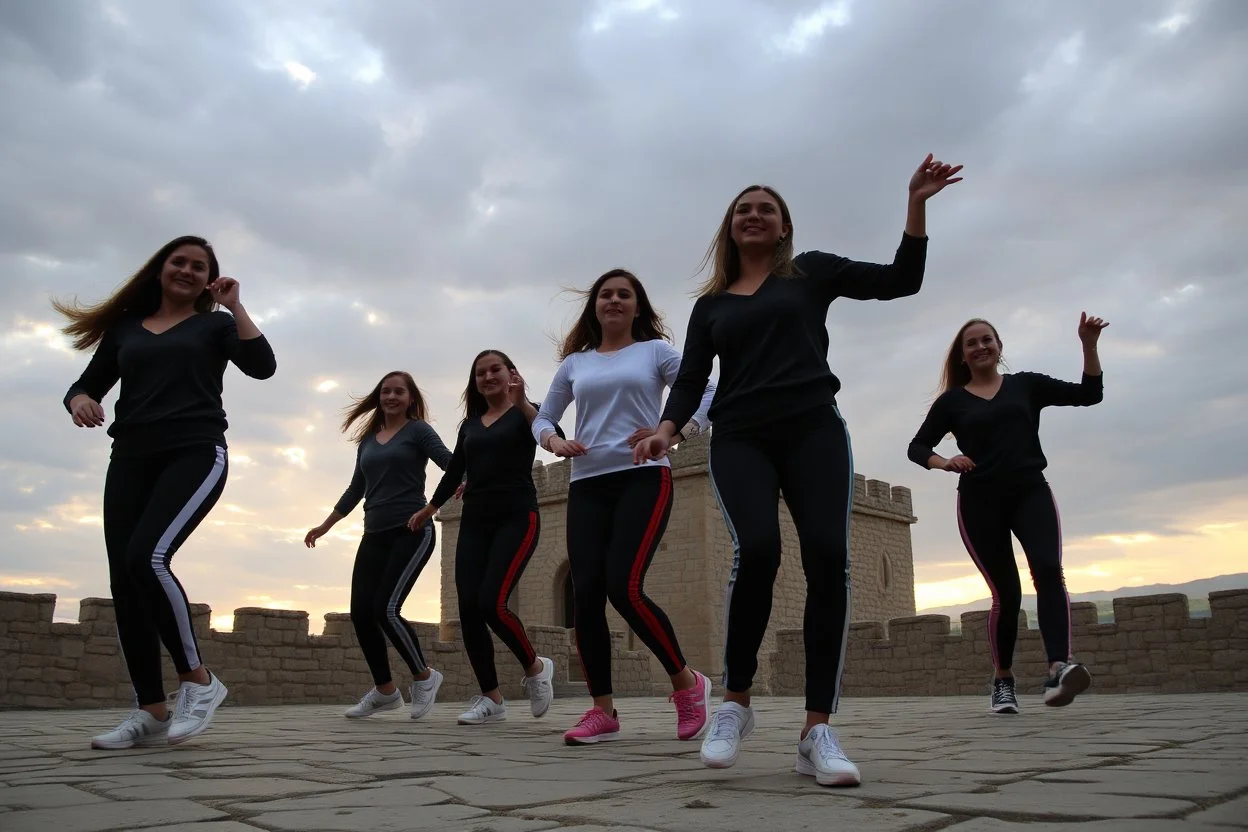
(1197, 593)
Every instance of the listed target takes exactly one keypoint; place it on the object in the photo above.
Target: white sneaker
(820, 756)
(194, 708)
(541, 687)
(731, 724)
(425, 693)
(374, 701)
(138, 728)
(483, 709)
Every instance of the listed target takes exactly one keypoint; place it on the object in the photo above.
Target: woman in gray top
(395, 443)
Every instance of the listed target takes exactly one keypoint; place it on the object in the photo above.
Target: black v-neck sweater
(497, 461)
(170, 382)
(1001, 435)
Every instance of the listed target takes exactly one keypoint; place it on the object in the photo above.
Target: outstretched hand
(1090, 329)
(931, 178)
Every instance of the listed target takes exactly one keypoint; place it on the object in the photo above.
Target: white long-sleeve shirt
(615, 393)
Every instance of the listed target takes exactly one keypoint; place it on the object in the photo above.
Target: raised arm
(1090, 390)
(841, 277)
(244, 344)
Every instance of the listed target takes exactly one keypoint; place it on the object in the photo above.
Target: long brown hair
(956, 373)
(369, 407)
(586, 333)
(725, 260)
(139, 296)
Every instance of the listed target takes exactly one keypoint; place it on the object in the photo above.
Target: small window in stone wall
(886, 572)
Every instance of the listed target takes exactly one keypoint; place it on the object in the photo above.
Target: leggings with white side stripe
(807, 458)
(151, 505)
(387, 565)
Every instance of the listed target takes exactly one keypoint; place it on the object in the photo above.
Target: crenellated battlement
(1153, 645)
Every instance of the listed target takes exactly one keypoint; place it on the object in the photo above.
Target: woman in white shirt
(616, 362)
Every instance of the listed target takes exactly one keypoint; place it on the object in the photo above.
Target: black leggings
(986, 516)
(151, 506)
(807, 458)
(615, 523)
(387, 565)
(490, 557)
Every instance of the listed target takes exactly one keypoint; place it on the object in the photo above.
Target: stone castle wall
(269, 658)
(1152, 646)
(689, 574)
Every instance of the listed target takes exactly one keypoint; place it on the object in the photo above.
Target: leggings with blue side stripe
(807, 458)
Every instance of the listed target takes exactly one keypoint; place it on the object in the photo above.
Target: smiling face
(185, 274)
(758, 221)
(394, 396)
(492, 375)
(981, 347)
(616, 304)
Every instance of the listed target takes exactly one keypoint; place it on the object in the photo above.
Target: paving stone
(95, 817)
(511, 794)
(1051, 800)
(1168, 825)
(397, 819)
(44, 797)
(210, 826)
(1233, 813)
(223, 787)
(392, 793)
(1179, 784)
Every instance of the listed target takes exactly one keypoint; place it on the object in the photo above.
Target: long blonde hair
(724, 258)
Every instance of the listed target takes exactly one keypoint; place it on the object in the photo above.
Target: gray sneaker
(425, 693)
(483, 709)
(541, 688)
(374, 701)
(138, 728)
(194, 708)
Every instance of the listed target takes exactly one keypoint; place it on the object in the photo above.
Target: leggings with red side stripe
(986, 517)
(492, 552)
(615, 522)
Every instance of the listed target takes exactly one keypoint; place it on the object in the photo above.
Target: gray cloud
(448, 170)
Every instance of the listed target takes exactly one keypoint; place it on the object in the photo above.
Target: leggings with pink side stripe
(986, 517)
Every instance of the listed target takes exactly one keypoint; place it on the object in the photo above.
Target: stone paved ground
(1108, 763)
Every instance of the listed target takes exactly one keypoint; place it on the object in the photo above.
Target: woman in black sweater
(498, 531)
(394, 445)
(778, 430)
(163, 338)
(995, 419)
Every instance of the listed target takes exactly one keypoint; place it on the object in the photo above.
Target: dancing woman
(394, 445)
(995, 418)
(498, 530)
(778, 430)
(616, 362)
(162, 337)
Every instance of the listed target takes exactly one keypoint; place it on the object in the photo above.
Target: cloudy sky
(401, 184)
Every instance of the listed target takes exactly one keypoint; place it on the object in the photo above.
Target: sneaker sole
(706, 714)
(150, 742)
(808, 769)
(1005, 709)
(1076, 682)
(391, 706)
(495, 718)
(433, 699)
(614, 735)
(207, 720)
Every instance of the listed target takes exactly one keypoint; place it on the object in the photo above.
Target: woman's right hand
(86, 411)
(566, 448)
(959, 464)
(313, 534)
(652, 447)
(421, 517)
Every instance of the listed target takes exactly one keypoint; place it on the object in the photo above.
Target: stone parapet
(270, 658)
(1152, 646)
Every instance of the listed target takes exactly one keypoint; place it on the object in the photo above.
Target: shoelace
(132, 722)
(595, 718)
(725, 726)
(828, 748)
(182, 707)
(1000, 689)
(686, 703)
(478, 705)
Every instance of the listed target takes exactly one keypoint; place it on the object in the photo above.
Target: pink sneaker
(594, 726)
(692, 706)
